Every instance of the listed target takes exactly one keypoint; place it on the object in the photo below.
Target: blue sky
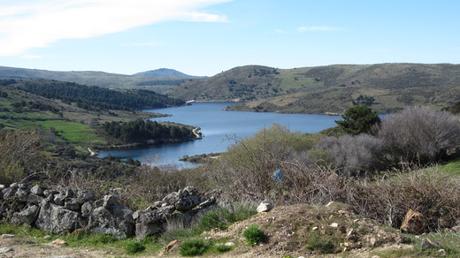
(204, 37)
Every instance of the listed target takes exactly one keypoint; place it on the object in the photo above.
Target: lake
(220, 129)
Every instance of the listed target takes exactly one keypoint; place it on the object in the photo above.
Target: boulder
(149, 223)
(112, 218)
(26, 216)
(414, 222)
(37, 190)
(56, 219)
(265, 206)
(86, 209)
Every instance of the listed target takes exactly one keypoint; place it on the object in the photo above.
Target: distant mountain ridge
(96, 78)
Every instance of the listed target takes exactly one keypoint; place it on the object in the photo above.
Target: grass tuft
(193, 247)
(254, 235)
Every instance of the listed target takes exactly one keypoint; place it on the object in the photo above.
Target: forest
(143, 131)
(95, 98)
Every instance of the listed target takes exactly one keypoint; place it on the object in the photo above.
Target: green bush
(358, 119)
(322, 244)
(221, 218)
(222, 248)
(254, 235)
(193, 247)
(134, 247)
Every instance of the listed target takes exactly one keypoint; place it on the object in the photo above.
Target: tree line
(94, 98)
(142, 131)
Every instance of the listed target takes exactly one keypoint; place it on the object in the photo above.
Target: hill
(164, 73)
(329, 88)
(94, 78)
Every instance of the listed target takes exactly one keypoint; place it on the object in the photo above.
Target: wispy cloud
(303, 29)
(37, 23)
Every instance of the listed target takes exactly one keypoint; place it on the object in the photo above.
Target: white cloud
(37, 23)
(304, 29)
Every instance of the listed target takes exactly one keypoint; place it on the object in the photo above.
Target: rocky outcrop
(63, 210)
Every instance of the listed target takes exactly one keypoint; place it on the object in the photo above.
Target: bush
(358, 119)
(254, 235)
(193, 247)
(420, 135)
(221, 218)
(322, 244)
(354, 155)
(436, 195)
(247, 168)
(19, 155)
(222, 248)
(134, 247)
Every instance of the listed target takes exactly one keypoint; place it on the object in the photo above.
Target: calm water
(220, 129)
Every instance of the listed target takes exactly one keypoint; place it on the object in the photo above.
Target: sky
(205, 37)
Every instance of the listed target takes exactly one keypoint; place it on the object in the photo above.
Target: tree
(358, 119)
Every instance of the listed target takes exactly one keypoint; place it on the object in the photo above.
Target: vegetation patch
(134, 247)
(73, 132)
(194, 247)
(254, 235)
(323, 244)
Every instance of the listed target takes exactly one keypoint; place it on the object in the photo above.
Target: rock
(56, 219)
(456, 229)
(26, 216)
(428, 244)
(229, 244)
(441, 252)
(414, 222)
(85, 196)
(115, 220)
(4, 250)
(34, 199)
(110, 200)
(187, 202)
(59, 242)
(86, 209)
(170, 199)
(72, 204)
(21, 195)
(37, 190)
(8, 192)
(352, 235)
(334, 225)
(149, 223)
(7, 236)
(265, 206)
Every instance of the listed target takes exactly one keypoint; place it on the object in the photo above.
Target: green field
(73, 132)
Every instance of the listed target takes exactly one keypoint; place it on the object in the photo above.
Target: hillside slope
(329, 88)
(94, 78)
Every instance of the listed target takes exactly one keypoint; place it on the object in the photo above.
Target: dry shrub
(247, 168)
(142, 187)
(421, 135)
(354, 155)
(19, 154)
(434, 194)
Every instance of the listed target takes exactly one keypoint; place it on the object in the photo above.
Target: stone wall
(62, 210)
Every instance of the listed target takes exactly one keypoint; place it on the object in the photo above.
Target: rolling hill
(328, 88)
(157, 77)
